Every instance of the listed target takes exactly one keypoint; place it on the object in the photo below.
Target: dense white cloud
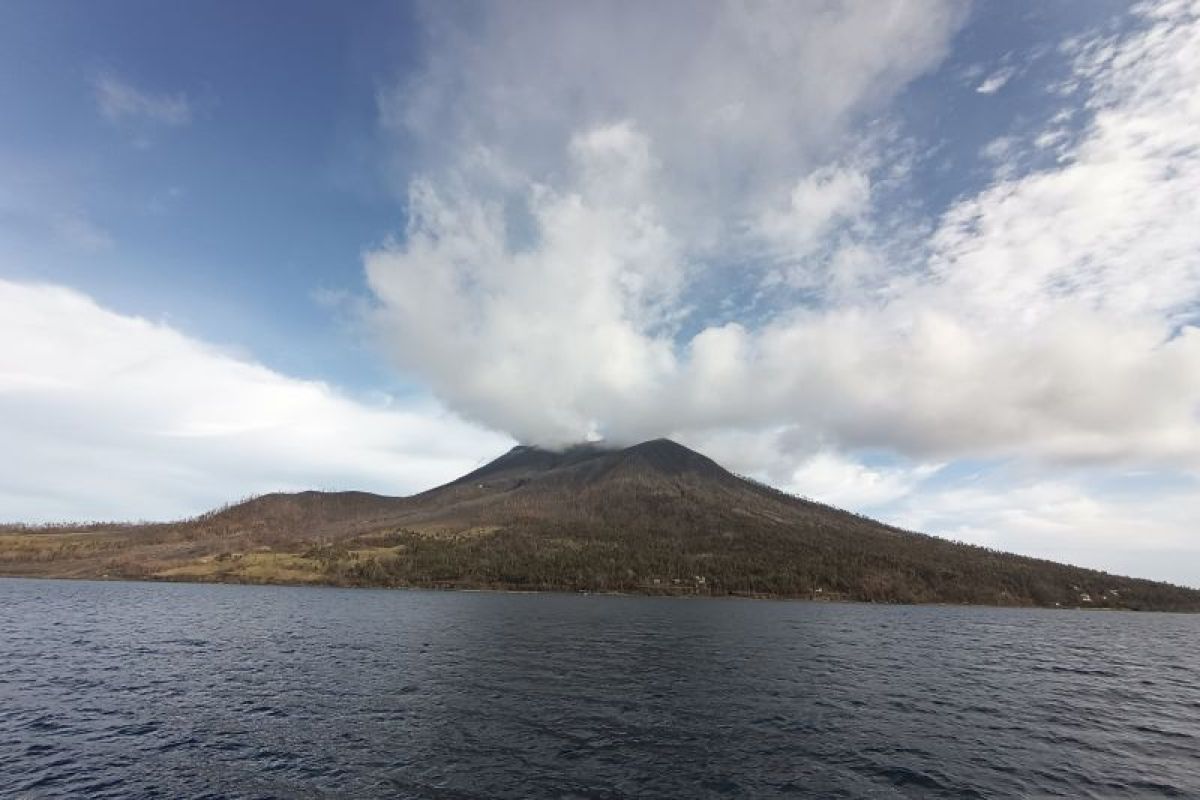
(106, 416)
(538, 341)
(570, 197)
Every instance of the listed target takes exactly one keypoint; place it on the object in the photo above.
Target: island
(654, 518)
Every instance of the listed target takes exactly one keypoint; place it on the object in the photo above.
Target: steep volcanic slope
(656, 517)
(532, 483)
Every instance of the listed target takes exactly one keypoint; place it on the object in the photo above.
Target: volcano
(655, 518)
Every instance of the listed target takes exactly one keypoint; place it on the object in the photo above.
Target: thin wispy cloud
(996, 81)
(119, 100)
(78, 230)
(37, 206)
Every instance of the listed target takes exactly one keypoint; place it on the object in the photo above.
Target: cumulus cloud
(569, 200)
(1050, 315)
(538, 340)
(119, 100)
(107, 416)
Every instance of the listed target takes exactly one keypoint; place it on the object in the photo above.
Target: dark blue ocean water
(171, 690)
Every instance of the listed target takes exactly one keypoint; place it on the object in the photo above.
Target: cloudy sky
(931, 261)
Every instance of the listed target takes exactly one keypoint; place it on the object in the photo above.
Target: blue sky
(934, 262)
(227, 222)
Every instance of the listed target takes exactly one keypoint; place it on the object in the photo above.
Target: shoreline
(580, 592)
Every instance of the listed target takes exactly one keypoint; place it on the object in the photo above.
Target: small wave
(1163, 732)
(904, 776)
(1093, 671)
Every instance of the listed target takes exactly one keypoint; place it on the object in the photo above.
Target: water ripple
(149, 690)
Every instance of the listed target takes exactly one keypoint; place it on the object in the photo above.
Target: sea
(159, 690)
